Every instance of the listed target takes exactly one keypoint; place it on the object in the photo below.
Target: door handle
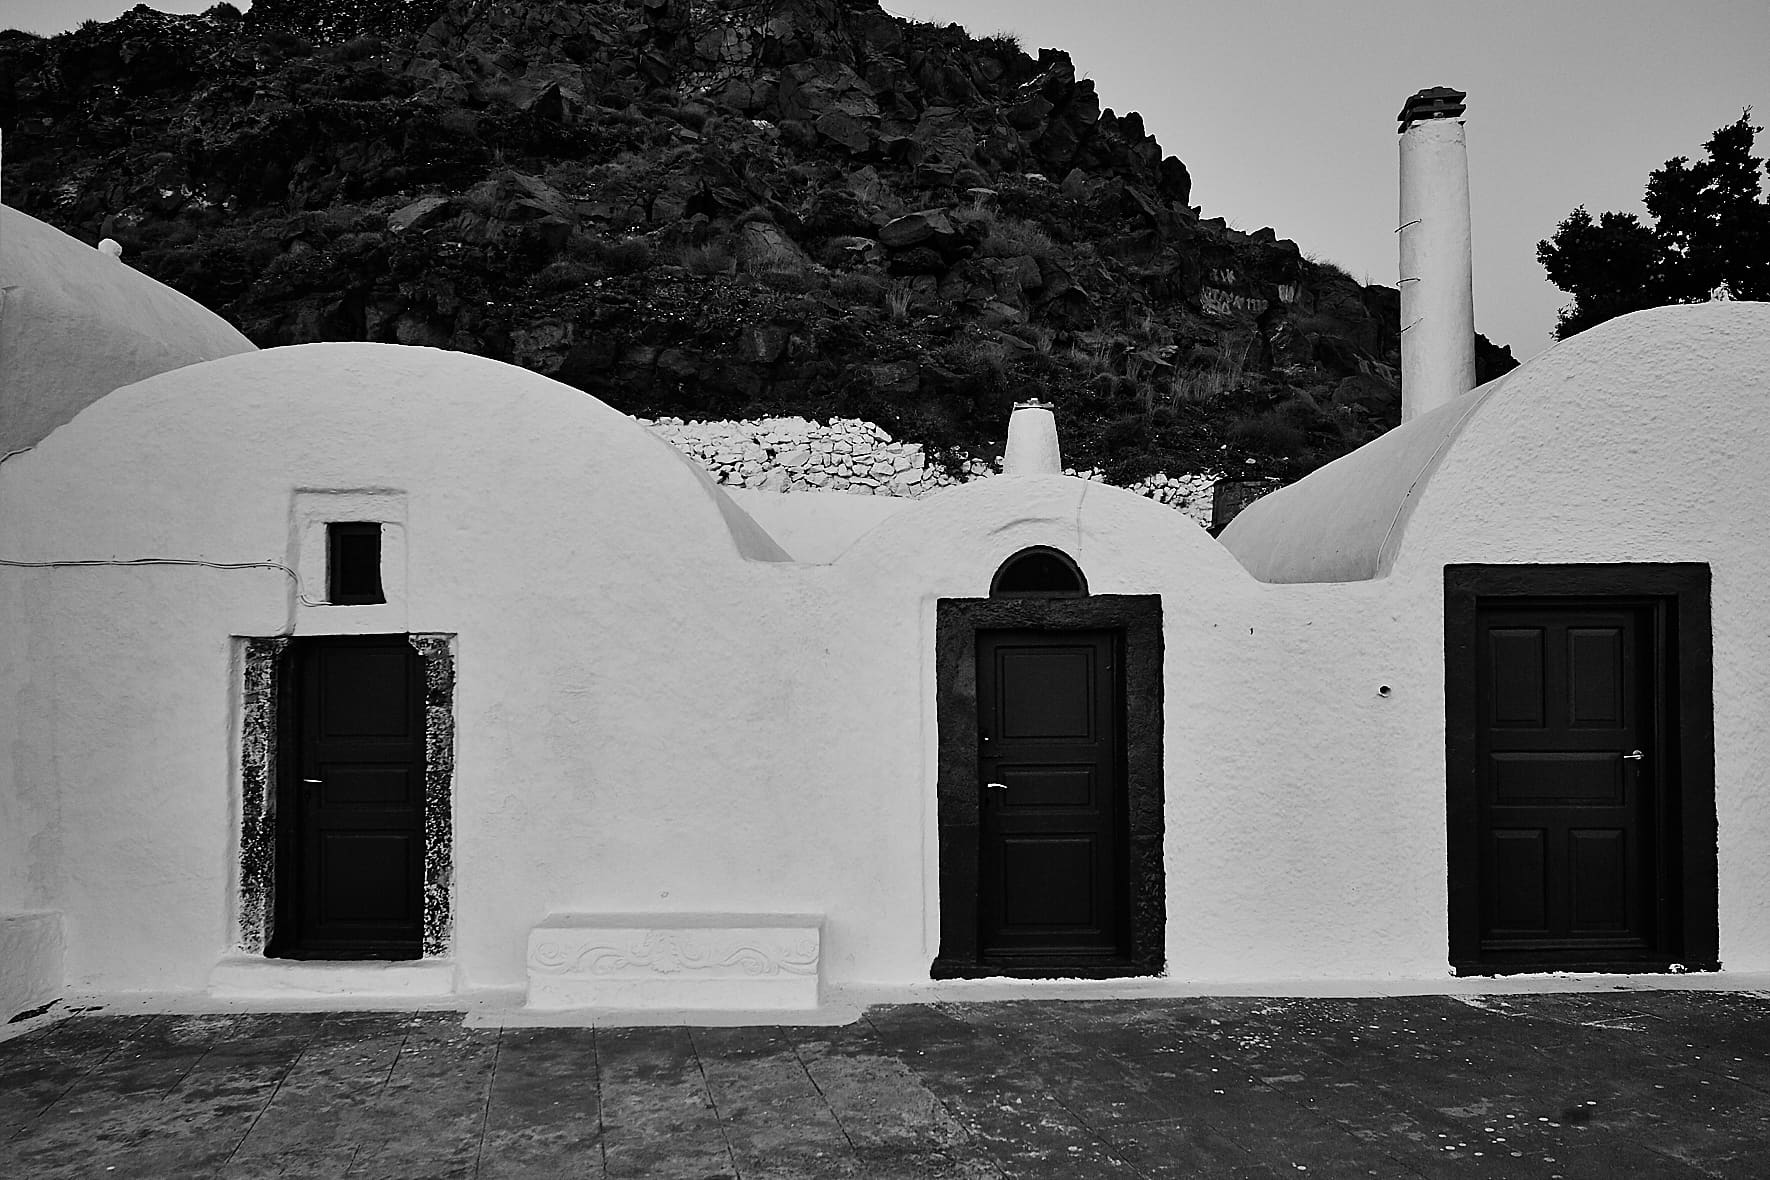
(992, 786)
(1635, 757)
(313, 780)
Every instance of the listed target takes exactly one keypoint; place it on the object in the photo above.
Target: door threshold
(252, 977)
(1075, 969)
(1582, 967)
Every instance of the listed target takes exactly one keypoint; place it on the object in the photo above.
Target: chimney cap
(1434, 102)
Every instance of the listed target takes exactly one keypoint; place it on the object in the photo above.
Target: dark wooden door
(1569, 775)
(1051, 884)
(351, 828)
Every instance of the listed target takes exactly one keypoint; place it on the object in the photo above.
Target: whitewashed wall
(647, 718)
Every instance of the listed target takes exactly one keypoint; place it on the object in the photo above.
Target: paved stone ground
(1606, 1084)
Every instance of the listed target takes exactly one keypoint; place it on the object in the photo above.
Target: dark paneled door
(1569, 775)
(351, 828)
(1051, 871)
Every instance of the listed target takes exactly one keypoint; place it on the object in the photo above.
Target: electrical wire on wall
(90, 563)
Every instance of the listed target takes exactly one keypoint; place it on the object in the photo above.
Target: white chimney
(1437, 295)
(1032, 441)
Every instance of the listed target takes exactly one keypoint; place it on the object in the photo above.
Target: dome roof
(1343, 522)
(76, 323)
(1348, 521)
(492, 441)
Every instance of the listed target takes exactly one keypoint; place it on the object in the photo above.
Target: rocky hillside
(705, 208)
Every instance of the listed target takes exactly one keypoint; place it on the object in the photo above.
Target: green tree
(1711, 228)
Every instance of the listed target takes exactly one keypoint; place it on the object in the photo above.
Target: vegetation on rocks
(706, 208)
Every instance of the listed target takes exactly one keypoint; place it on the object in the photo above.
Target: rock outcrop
(710, 209)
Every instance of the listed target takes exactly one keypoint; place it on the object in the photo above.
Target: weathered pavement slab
(1668, 1084)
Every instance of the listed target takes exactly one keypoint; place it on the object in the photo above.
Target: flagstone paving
(1595, 1084)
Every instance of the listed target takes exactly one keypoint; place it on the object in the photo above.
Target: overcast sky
(1284, 112)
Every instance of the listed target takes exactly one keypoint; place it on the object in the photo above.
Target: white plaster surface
(816, 527)
(76, 323)
(1437, 293)
(1032, 447)
(31, 949)
(249, 978)
(656, 712)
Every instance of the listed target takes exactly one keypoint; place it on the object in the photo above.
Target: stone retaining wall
(793, 454)
(851, 455)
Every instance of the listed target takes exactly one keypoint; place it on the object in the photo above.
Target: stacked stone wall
(861, 458)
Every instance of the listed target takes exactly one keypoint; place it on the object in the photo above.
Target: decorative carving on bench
(648, 952)
(675, 960)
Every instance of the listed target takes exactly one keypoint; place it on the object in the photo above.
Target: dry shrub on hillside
(1014, 237)
(972, 354)
(794, 281)
(897, 299)
(714, 258)
(1213, 380)
(859, 287)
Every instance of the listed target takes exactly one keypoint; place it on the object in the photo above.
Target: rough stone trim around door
(259, 700)
(1139, 618)
(258, 760)
(437, 654)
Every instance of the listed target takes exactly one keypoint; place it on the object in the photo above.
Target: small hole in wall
(1384, 690)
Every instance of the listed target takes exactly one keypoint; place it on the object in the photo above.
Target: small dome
(77, 322)
(1342, 522)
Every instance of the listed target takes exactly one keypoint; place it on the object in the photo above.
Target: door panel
(1047, 695)
(363, 878)
(1047, 786)
(345, 784)
(1570, 776)
(1596, 677)
(1051, 869)
(1517, 683)
(1599, 877)
(1520, 891)
(1048, 881)
(1567, 825)
(351, 828)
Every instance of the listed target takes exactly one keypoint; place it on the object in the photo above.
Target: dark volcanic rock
(726, 208)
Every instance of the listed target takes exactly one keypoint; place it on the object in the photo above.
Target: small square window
(353, 563)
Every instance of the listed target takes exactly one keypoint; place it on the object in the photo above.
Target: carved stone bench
(728, 961)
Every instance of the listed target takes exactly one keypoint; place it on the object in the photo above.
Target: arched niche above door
(1039, 572)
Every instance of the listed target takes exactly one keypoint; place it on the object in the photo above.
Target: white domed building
(356, 672)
